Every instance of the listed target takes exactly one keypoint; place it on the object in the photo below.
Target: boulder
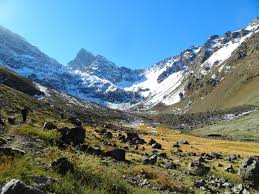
(90, 150)
(170, 165)
(133, 138)
(42, 182)
(230, 169)
(49, 126)
(11, 151)
(62, 166)
(157, 146)
(11, 120)
(75, 121)
(15, 186)
(183, 141)
(249, 171)
(75, 135)
(198, 169)
(152, 141)
(150, 159)
(117, 154)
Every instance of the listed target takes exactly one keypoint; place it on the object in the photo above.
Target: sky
(131, 33)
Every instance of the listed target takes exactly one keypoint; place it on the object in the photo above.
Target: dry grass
(168, 137)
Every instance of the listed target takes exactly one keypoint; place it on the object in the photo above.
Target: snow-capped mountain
(95, 78)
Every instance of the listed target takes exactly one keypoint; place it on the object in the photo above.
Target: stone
(150, 159)
(249, 171)
(42, 182)
(157, 146)
(198, 169)
(11, 120)
(15, 186)
(75, 121)
(183, 141)
(170, 165)
(62, 166)
(49, 126)
(117, 154)
(90, 150)
(151, 142)
(11, 151)
(75, 135)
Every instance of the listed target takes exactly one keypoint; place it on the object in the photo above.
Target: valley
(188, 124)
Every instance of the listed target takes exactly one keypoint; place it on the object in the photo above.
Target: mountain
(20, 56)
(176, 83)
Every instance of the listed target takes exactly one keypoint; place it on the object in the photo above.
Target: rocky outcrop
(18, 187)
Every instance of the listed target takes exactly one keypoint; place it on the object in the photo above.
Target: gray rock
(249, 171)
(49, 125)
(150, 159)
(63, 166)
(11, 151)
(157, 146)
(117, 154)
(17, 187)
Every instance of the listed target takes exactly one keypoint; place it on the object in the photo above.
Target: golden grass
(167, 137)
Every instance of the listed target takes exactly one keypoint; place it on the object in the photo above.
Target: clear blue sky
(133, 33)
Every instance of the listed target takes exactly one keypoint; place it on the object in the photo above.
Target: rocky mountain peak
(83, 59)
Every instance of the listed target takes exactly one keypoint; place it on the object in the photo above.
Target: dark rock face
(150, 159)
(63, 166)
(75, 135)
(49, 126)
(249, 171)
(17, 187)
(117, 154)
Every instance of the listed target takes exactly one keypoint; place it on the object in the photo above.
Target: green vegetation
(28, 130)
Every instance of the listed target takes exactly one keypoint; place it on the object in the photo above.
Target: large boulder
(133, 138)
(62, 166)
(117, 154)
(75, 135)
(249, 171)
(49, 125)
(18, 187)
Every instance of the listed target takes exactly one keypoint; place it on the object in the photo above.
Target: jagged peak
(254, 24)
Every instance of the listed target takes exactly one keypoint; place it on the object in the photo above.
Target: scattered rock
(117, 154)
(49, 126)
(176, 145)
(249, 171)
(150, 159)
(63, 166)
(18, 187)
(133, 138)
(240, 189)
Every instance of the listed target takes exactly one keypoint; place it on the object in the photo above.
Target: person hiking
(24, 112)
